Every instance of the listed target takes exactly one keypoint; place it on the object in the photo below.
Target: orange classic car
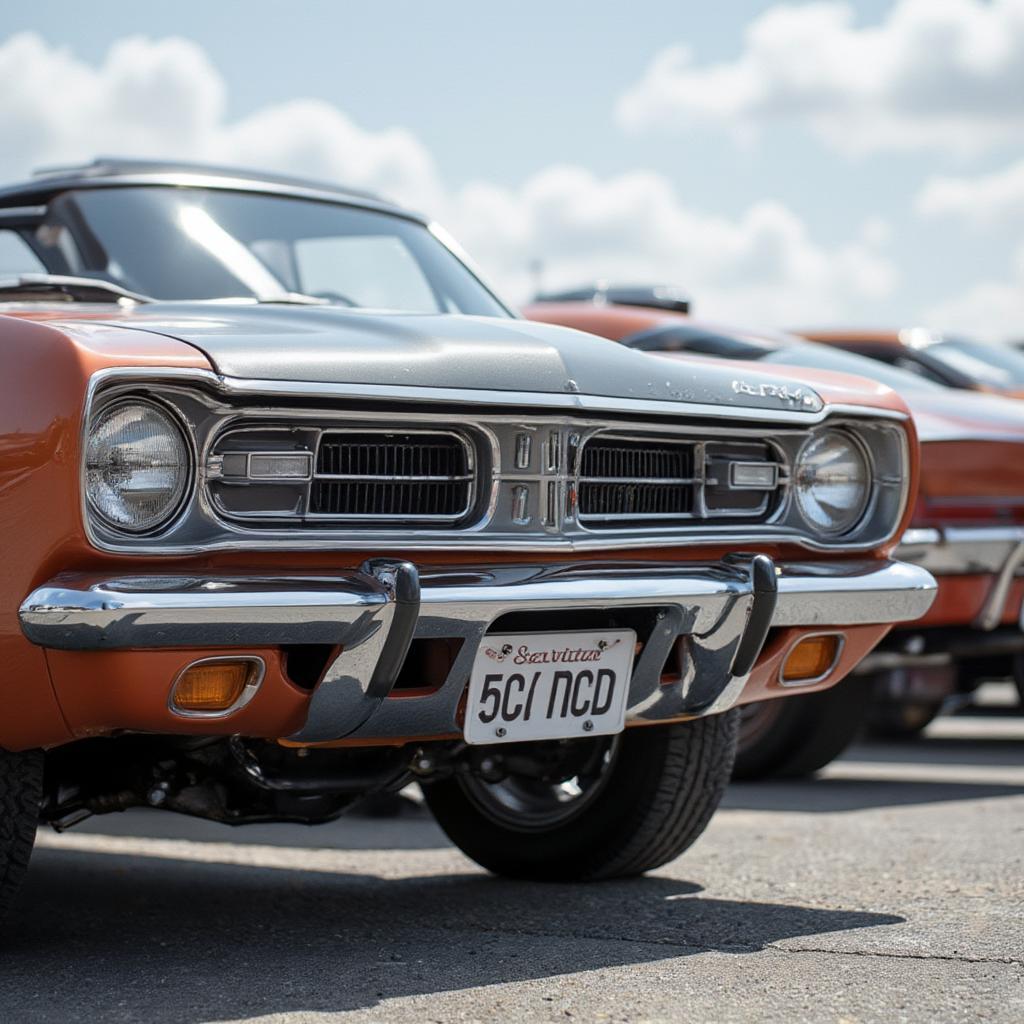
(950, 359)
(967, 528)
(294, 511)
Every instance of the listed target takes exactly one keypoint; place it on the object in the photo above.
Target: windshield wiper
(270, 299)
(77, 289)
(293, 299)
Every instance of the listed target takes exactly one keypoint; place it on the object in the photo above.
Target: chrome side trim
(961, 550)
(971, 550)
(249, 691)
(991, 613)
(374, 613)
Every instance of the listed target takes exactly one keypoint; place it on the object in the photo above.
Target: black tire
(658, 795)
(790, 737)
(901, 720)
(1018, 676)
(21, 789)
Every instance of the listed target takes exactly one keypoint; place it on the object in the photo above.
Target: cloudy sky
(786, 163)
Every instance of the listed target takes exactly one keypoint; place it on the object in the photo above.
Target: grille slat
(391, 477)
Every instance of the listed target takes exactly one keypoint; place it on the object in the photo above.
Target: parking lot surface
(890, 889)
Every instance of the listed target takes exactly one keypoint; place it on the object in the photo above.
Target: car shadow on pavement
(416, 830)
(946, 750)
(115, 937)
(894, 774)
(830, 795)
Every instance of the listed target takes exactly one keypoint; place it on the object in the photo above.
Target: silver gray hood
(328, 345)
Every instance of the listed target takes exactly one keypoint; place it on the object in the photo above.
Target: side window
(375, 271)
(913, 366)
(891, 354)
(15, 256)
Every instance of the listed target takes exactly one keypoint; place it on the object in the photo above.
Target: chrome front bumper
(724, 609)
(971, 550)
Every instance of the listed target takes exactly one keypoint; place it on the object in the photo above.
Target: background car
(967, 528)
(949, 359)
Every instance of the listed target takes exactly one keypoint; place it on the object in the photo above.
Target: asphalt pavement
(891, 889)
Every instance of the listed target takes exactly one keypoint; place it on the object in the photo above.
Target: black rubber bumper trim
(405, 581)
(764, 588)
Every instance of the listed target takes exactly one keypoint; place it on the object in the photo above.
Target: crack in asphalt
(961, 958)
(741, 947)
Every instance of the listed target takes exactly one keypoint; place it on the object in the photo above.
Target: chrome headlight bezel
(859, 509)
(184, 485)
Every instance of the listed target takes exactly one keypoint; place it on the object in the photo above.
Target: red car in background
(967, 529)
(949, 359)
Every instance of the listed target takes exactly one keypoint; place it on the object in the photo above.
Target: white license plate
(549, 686)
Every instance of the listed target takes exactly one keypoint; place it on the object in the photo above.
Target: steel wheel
(530, 804)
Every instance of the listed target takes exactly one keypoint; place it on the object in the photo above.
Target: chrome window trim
(569, 412)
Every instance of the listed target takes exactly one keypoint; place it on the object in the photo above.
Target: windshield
(192, 243)
(702, 341)
(988, 364)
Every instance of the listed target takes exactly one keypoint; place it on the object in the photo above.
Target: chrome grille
(312, 476)
(624, 482)
(391, 476)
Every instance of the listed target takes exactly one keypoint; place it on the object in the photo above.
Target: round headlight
(137, 466)
(832, 482)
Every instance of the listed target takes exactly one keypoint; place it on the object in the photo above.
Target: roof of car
(621, 321)
(116, 171)
(648, 296)
(843, 336)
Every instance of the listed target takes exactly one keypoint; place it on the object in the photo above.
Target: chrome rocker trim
(967, 550)
(725, 610)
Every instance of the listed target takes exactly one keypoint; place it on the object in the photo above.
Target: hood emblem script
(803, 398)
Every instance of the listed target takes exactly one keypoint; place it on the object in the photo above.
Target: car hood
(328, 345)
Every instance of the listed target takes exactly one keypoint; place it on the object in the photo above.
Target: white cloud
(762, 265)
(990, 309)
(54, 107)
(165, 98)
(932, 74)
(985, 200)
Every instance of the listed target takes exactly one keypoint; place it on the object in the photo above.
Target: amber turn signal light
(216, 685)
(811, 658)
